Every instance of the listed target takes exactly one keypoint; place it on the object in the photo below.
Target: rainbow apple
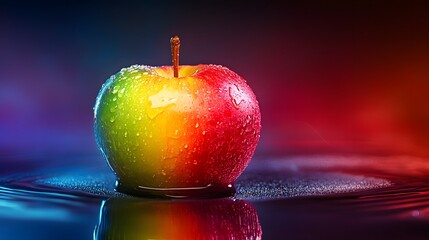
(189, 135)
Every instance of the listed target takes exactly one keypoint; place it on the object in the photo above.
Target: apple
(177, 131)
(130, 218)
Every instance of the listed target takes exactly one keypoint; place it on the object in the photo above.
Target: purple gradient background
(330, 78)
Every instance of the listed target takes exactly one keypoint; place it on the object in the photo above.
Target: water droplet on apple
(114, 99)
(236, 95)
(121, 92)
(204, 132)
(125, 134)
(137, 134)
(112, 119)
(196, 125)
(195, 162)
(115, 89)
(186, 146)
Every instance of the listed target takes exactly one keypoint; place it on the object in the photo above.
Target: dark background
(332, 77)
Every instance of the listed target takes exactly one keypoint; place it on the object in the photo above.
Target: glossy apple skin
(164, 135)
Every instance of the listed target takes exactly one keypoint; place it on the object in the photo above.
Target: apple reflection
(122, 218)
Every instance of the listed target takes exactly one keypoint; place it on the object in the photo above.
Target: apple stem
(175, 44)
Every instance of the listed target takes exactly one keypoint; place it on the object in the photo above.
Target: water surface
(300, 197)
